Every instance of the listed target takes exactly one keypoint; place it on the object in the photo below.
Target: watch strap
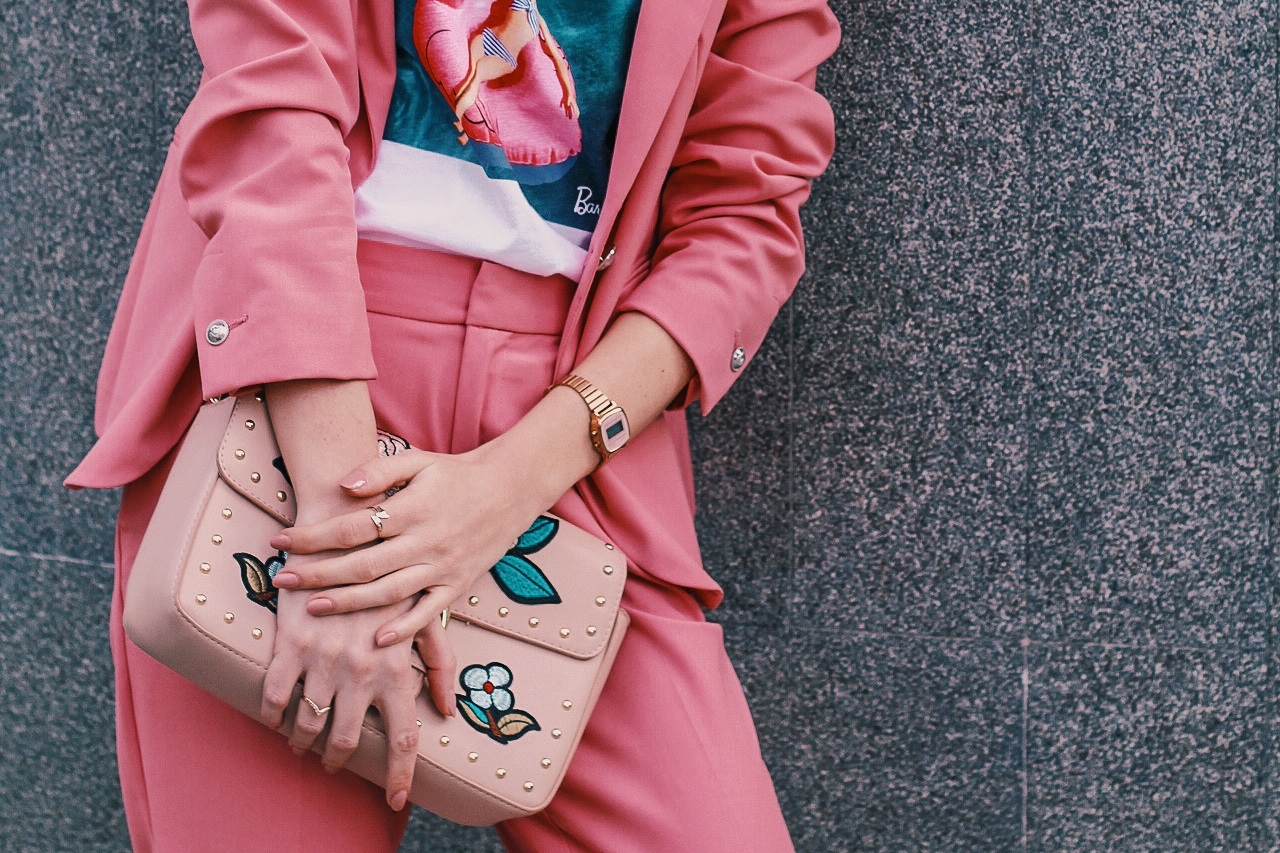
(600, 406)
(597, 401)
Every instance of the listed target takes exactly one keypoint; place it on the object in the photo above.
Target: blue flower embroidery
(488, 705)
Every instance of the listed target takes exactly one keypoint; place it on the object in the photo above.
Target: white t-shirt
(501, 128)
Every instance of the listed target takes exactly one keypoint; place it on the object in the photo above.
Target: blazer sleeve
(729, 247)
(263, 168)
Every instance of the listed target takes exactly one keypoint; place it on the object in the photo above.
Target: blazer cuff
(289, 329)
(719, 353)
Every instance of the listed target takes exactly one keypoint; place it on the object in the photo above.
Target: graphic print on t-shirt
(501, 127)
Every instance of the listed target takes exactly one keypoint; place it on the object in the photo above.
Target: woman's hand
(455, 515)
(345, 672)
(452, 520)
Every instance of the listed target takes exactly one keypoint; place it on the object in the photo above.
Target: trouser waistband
(422, 284)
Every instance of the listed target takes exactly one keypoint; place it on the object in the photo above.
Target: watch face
(614, 430)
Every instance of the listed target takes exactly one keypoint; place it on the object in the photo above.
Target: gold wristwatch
(609, 427)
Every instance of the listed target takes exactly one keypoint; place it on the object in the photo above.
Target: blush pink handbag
(535, 637)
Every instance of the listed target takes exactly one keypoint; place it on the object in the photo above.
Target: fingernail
(330, 769)
(285, 580)
(298, 751)
(398, 801)
(281, 542)
(320, 606)
(387, 638)
(353, 481)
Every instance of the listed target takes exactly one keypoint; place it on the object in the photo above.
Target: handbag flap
(558, 587)
(250, 462)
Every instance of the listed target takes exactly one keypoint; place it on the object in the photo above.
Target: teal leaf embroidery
(524, 582)
(477, 717)
(542, 531)
(518, 576)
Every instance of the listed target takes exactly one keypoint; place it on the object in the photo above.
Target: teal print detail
(489, 705)
(518, 576)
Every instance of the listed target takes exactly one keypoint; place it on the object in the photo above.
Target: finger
(391, 588)
(344, 733)
(277, 688)
(419, 617)
(400, 717)
(309, 722)
(342, 532)
(351, 567)
(442, 665)
(374, 477)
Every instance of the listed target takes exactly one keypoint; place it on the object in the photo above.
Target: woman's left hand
(452, 520)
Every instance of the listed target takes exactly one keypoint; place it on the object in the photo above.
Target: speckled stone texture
(1153, 378)
(58, 785)
(1149, 749)
(993, 507)
(909, 449)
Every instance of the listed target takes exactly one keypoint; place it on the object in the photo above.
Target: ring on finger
(379, 515)
(316, 709)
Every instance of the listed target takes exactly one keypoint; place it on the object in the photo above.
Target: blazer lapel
(376, 58)
(666, 34)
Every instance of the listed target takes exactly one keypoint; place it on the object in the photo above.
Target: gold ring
(319, 712)
(379, 515)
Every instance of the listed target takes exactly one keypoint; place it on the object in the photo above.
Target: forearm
(458, 513)
(325, 429)
(637, 364)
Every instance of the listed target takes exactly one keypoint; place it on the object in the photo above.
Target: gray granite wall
(994, 508)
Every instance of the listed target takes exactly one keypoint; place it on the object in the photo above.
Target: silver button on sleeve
(738, 360)
(217, 332)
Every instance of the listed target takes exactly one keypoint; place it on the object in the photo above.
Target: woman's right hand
(342, 669)
(325, 427)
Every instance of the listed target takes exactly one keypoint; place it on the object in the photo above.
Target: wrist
(325, 430)
(548, 450)
(321, 504)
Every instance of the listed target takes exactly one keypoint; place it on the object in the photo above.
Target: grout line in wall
(790, 421)
(1068, 642)
(1029, 259)
(1269, 517)
(1026, 704)
(54, 558)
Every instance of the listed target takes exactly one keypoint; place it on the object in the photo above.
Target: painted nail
(320, 606)
(398, 801)
(353, 481)
(285, 580)
(387, 638)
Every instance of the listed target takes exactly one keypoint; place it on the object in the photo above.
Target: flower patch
(488, 705)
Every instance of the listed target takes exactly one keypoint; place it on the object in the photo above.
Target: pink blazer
(252, 223)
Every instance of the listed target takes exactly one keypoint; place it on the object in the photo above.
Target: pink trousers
(669, 761)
